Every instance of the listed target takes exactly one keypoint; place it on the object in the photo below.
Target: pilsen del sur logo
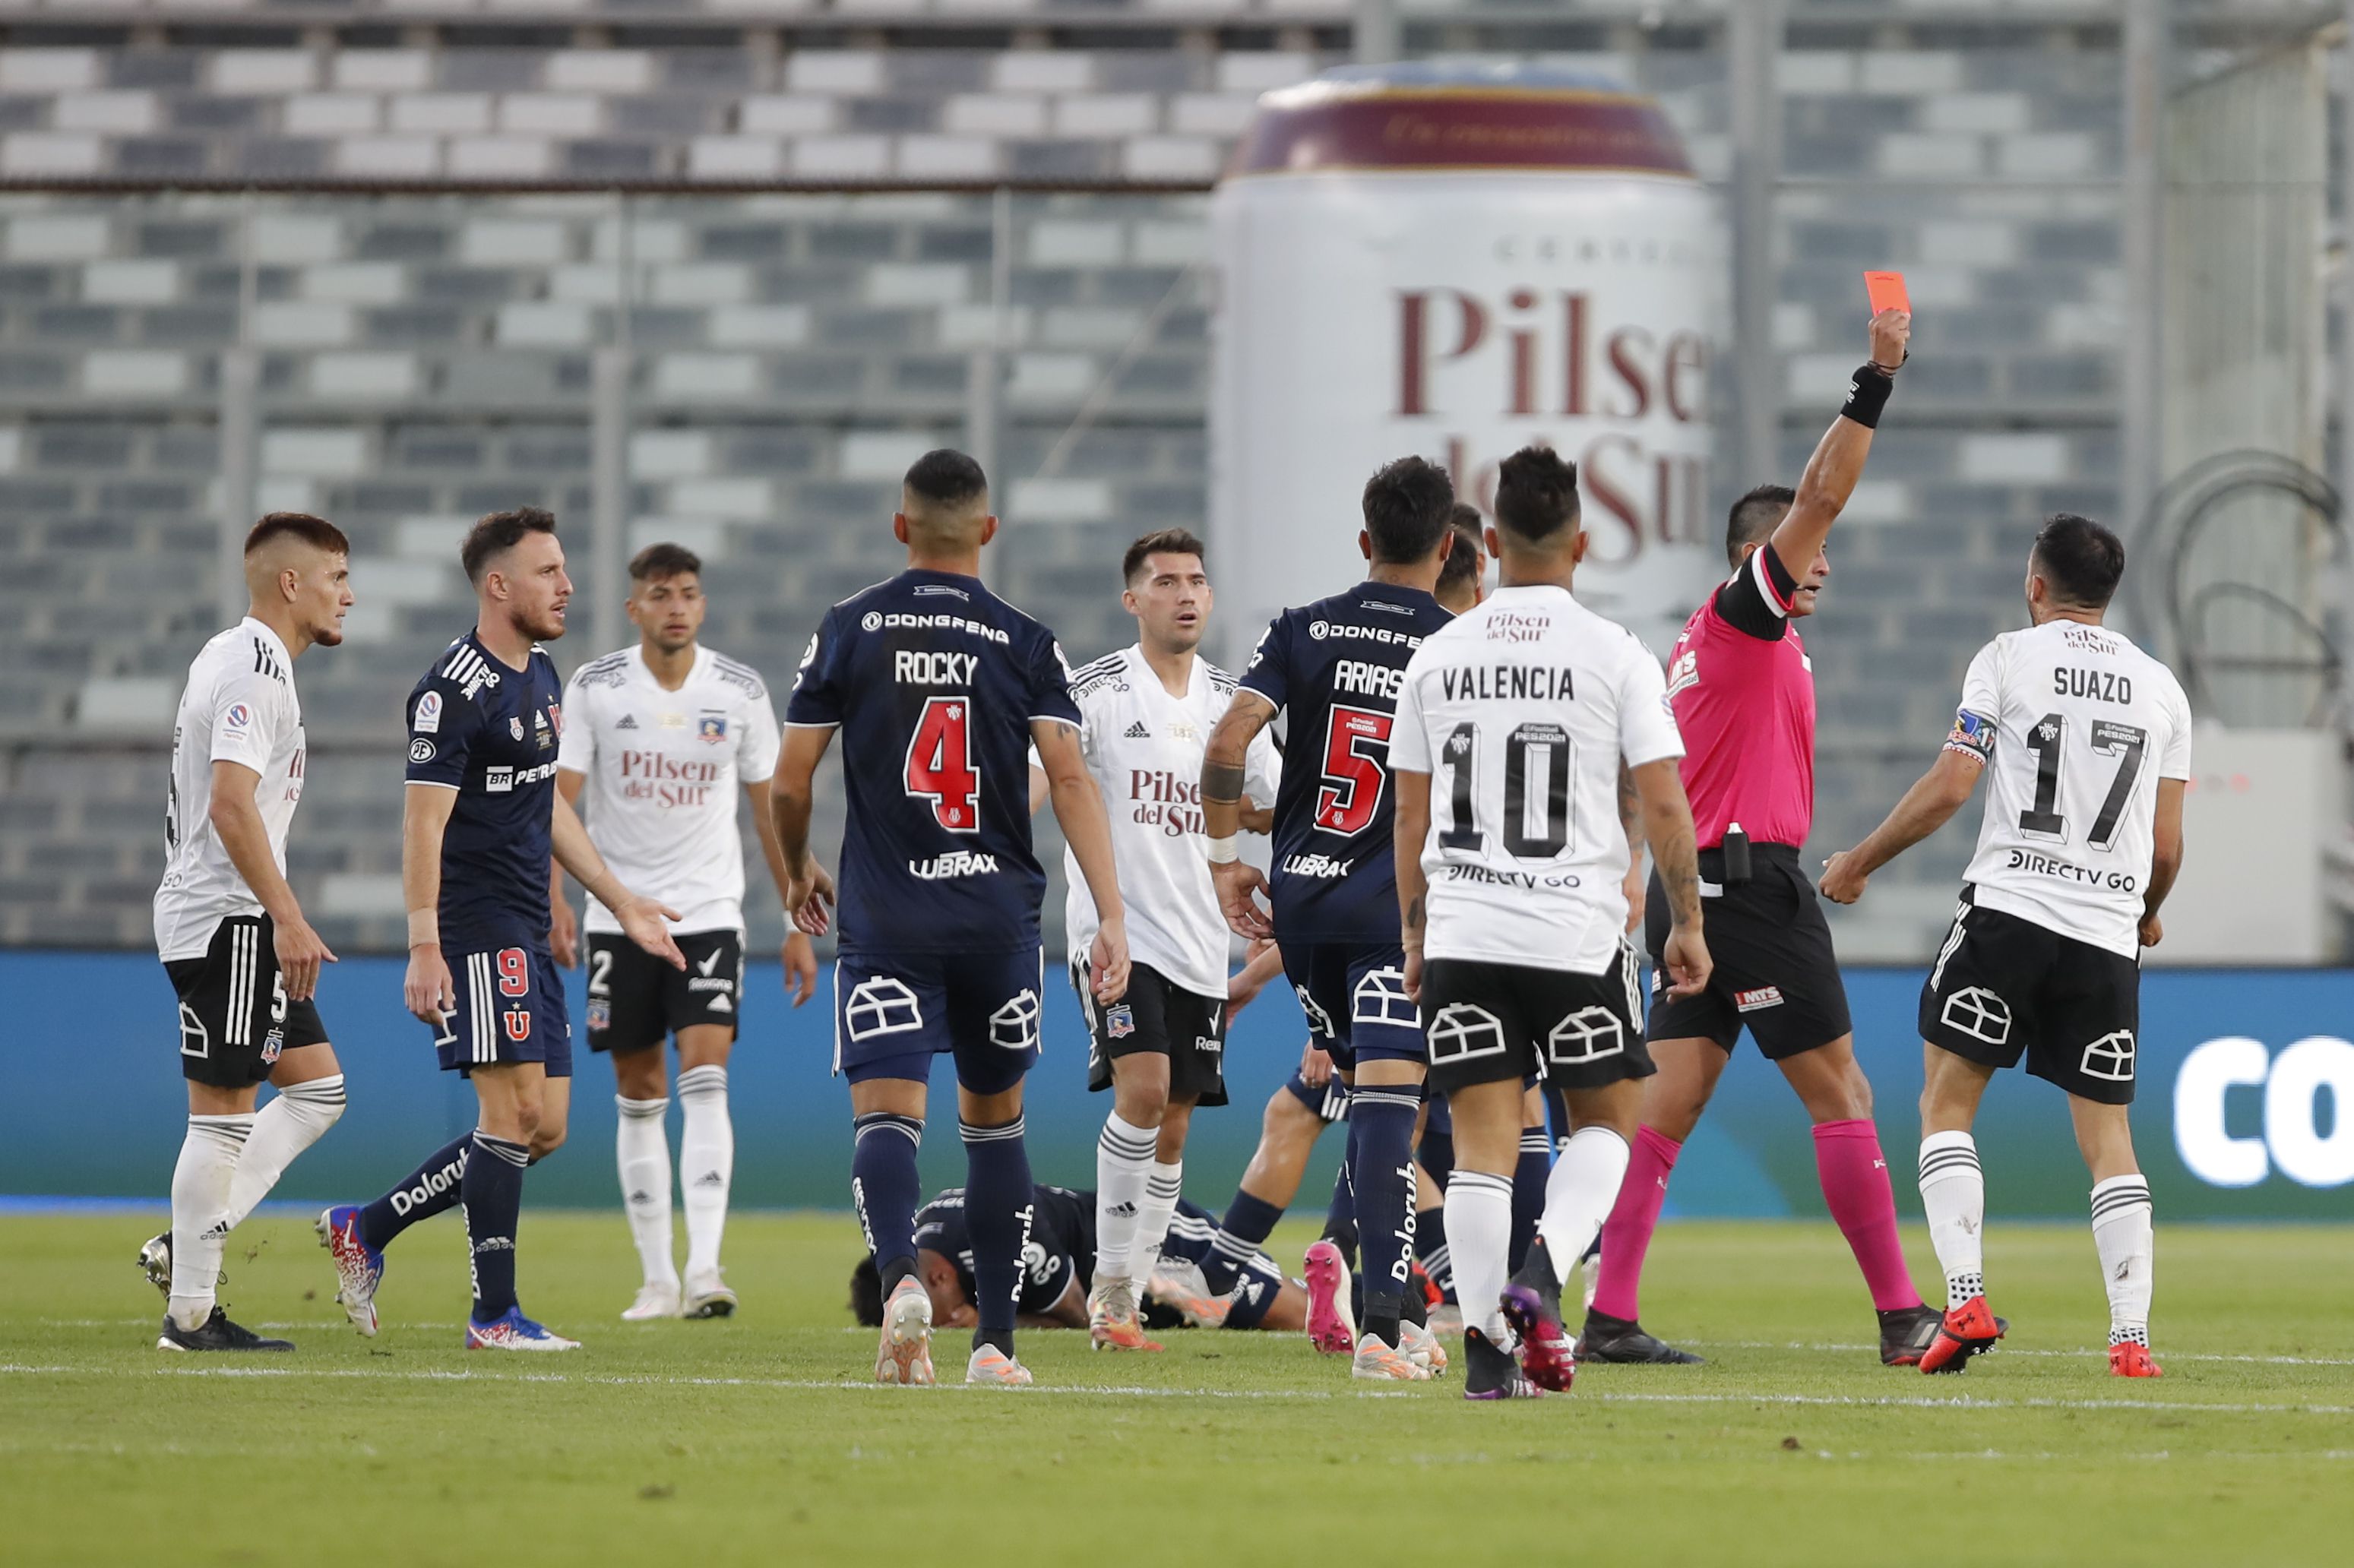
(1535, 355)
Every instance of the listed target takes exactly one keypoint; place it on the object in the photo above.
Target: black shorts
(1487, 1022)
(636, 1001)
(1162, 1017)
(2003, 987)
(1776, 971)
(235, 1018)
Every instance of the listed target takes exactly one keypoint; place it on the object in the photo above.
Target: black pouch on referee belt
(1735, 850)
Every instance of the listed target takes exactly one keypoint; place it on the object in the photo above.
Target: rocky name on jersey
(2044, 865)
(1160, 798)
(1356, 676)
(667, 780)
(911, 667)
(1508, 683)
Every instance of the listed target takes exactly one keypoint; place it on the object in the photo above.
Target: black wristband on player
(1867, 395)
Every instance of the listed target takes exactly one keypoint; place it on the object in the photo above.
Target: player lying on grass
(1058, 1269)
(2088, 741)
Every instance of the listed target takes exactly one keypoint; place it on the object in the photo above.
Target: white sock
(1480, 1239)
(641, 1152)
(706, 1163)
(200, 1184)
(1579, 1195)
(1161, 1189)
(2122, 1233)
(1953, 1195)
(1123, 1170)
(297, 1118)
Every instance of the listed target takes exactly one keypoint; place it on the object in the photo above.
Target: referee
(1744, 694)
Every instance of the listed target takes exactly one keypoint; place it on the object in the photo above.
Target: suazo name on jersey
(491, 734)
(934, 681)
(1333, 668)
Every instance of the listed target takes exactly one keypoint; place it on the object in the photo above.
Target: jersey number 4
(939, 764)
(2048, 738)
(1356, 758)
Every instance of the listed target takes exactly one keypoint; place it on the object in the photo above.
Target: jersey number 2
(1357, 747)
(939, 764)
(2048, 738)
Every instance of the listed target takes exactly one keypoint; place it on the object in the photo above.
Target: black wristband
(1867, 395)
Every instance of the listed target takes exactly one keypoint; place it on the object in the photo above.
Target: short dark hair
(499, 533)
(1161, 542)
(1536, 493)
(1462, 562)
(946, 477)
(315, 532)
(659, 563)
(866, 1293)
(1753, 517)
(2080, 558)
(1406, 504)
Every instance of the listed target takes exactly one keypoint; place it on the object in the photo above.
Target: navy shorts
(510, 1009)
(1330, 1103)
(1355, 1001)
(893, 1012)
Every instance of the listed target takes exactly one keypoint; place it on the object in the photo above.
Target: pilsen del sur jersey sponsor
(667, 780)
(1532, 356)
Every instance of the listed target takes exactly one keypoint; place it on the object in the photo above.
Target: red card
(1886, 292)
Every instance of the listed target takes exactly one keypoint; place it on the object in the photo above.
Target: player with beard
(231, 934)
(1334, 666)
(1744, 693)
(479, 822)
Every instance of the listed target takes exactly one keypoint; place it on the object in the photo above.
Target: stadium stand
(424, 357)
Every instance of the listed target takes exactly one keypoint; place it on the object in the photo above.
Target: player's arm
(1838, 464)
(563, 925)
(1412, 829)
(1224, 769)
(1038, 790)
(1932, 801)
(1263, 962)
(644, 921)
(800, 957)
(426, 989)
(1630, 821)
(1069, 1311)
(237, 822)
(1087, 828)
(792, 797)
(1675, 846)
(2166, 860)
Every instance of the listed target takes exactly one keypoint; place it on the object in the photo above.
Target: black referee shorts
(1775, 972)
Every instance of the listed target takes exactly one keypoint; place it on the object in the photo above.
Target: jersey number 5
(1356, 751)
(939, 764)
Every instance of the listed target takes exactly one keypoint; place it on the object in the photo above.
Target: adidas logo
(641, 1197)
(1137, 731)
(628, 721)
(711, 1179)
(1123, 1210)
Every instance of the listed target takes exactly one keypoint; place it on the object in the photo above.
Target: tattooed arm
(1631, 819)
(1668, 825)
(1413, 826)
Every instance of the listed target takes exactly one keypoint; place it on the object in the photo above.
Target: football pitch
(758, 1440)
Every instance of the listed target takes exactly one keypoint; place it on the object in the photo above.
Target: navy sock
(492, 1192)
(885, 1190)
(1247, 1224)
(1381, 1164)
(430, 1190)
(997, 1216)
(1528, 1179)
(1341, 1213)
(1430, 1249)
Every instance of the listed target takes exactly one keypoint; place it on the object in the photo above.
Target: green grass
(752, 1440)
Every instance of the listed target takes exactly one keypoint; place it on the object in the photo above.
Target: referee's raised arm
(1832, 473)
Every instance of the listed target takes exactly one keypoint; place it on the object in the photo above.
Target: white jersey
(1144, 747)
(238, 706)
(2076, 725)
(663, 768)
(1521, 711)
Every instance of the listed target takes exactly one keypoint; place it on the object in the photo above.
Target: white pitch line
(1913, 1401)
(2008, 1350)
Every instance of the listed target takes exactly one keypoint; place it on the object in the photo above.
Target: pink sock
(1627, 1233)
(1855, 1184)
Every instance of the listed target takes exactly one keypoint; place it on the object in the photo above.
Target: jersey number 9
(939, 764)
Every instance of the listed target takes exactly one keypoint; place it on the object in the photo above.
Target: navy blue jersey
(1062, 1250)
(933, 681)
(490, 732)
(1335, 666)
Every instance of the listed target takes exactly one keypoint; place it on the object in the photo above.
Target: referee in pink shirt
(1744, 693)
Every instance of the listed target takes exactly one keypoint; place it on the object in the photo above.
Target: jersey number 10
(1528, 747)
(939, 764)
